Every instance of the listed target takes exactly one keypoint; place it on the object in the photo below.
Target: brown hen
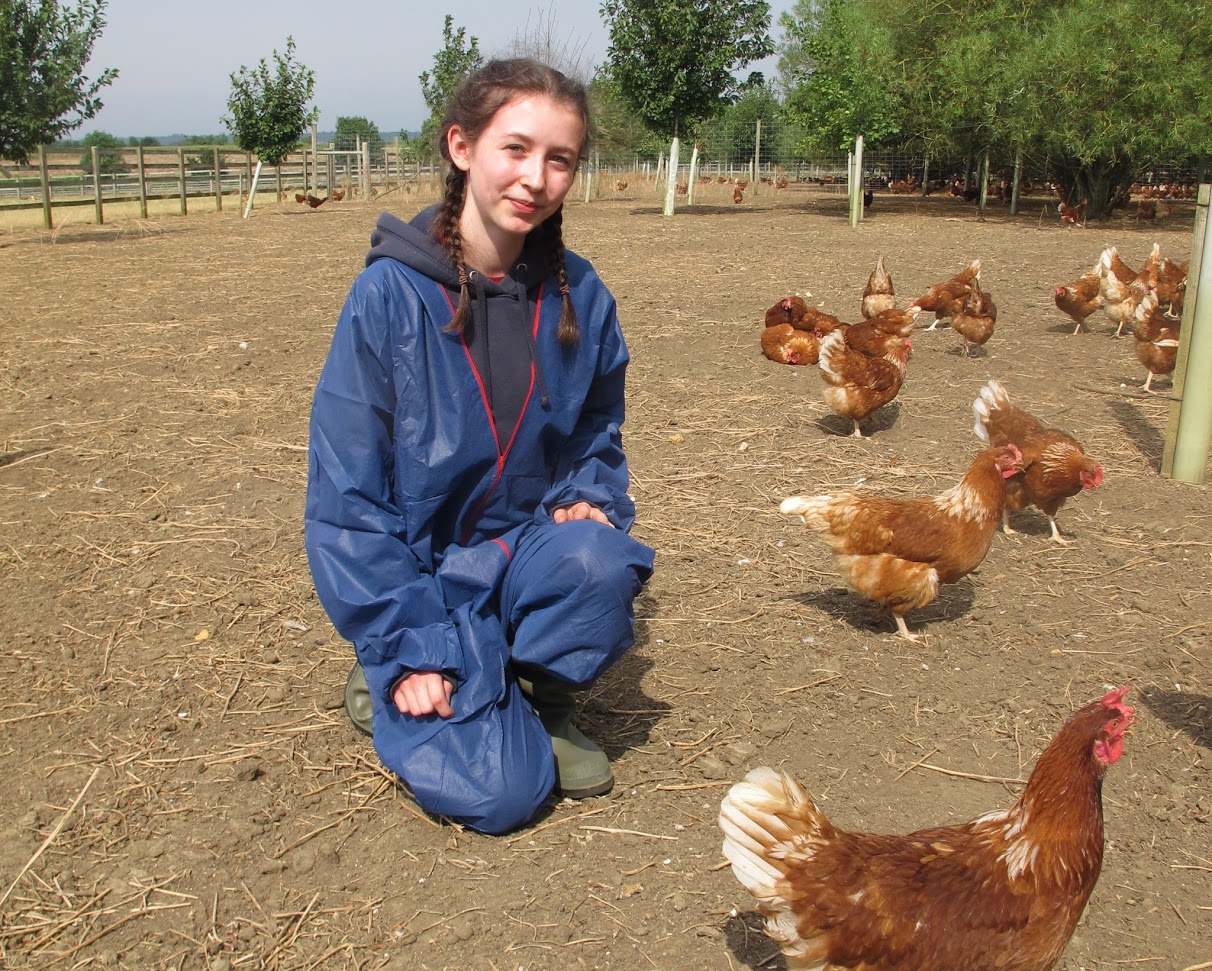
(1079, 299)
(946, 298)
(897, 552)
(1055, 466)
(1003, 892)
(856, 384)
(879, 293)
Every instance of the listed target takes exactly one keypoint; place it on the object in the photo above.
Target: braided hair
(472, 106)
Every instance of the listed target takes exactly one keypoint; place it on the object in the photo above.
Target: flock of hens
(1003, 892)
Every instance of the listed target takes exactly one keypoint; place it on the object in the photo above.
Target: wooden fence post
(218, 182)
(93, 154)
(315, 145)
(1018, 174)
(181, 176)
(1189, 429)
(142, 182)
(757, 157)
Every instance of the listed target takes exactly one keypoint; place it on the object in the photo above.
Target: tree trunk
(1105, 182)
(671, 176)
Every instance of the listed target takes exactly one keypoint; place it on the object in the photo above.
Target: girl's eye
(561, 161)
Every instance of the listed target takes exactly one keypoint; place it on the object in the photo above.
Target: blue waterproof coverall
(428, 524)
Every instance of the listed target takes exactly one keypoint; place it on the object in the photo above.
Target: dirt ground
(184, 791)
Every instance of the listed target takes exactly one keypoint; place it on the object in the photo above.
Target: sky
(174, 59)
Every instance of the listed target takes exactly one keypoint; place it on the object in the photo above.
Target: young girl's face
(518, 171)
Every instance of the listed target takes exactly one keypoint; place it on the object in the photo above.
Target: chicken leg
(902, 629)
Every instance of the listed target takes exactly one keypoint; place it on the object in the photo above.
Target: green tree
(673, 60)
(732, 135)
(269, 112)
(43, 91)
(351, 129)
(1080, 88)
(109, 153)
(835, 61)
(457, 59)
(147, 141)
(1118, 99)
(617, 135)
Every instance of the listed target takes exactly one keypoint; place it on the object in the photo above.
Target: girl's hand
(580, 510)
(423, 693)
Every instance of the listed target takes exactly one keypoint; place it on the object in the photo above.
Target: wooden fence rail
(58, 179)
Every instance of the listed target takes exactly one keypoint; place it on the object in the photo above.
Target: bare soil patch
(182, 789)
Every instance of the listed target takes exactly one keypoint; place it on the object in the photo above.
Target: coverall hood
(499, 334)
(414, 245)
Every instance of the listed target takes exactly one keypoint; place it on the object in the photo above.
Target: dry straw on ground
(183, 789)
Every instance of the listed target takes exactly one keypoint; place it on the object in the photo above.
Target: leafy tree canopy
(269, 112)
(835, 60)
(1080, 87)
(43, 53)
(733, 135)
(147, 141)
(350, 130)
(672, 60)
(617, 134)
(109, 153)
(457, 59)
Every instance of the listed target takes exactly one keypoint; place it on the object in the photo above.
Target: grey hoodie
(499, 335)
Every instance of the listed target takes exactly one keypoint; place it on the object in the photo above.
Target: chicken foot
(1056, 533)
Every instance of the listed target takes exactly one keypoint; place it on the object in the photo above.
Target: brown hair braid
(569, 332)
(478, 97)
(446, 228)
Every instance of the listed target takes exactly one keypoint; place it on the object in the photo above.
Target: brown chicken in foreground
(1055, 466)
(789, 310)
(794, 330)
(975, 319)
(784, 344)
(876, 337)
(856, 384)
(946, 298)
(1156, 339)
(1079, 299)
(1003, 892)
(1170, 282)
(898, 552)
(879, 294)
(1123, 288)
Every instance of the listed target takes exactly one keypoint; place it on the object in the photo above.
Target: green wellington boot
(357, 699)
(582, 769)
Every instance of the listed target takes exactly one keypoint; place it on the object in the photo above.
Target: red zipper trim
(470, 523)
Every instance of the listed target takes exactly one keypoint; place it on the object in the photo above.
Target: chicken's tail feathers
(806, 507)
(992, 397)
(770, 824)
(833, 347)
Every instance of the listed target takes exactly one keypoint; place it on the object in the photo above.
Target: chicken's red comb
(1115, 699)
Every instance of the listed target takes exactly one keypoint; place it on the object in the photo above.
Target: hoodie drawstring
(481, 314)
(540, 380)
